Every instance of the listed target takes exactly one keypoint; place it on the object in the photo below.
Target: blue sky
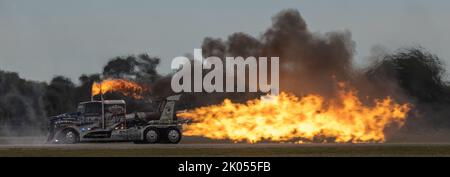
(44, 38)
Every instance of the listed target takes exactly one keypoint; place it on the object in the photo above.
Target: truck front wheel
(69, 136)
(173, 135)
(151, 136)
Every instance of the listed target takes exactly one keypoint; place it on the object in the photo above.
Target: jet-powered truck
(107, 121)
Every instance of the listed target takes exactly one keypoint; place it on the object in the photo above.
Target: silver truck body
(107, 121)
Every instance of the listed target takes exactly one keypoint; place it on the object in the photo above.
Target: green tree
(141, 68)
(60, 96)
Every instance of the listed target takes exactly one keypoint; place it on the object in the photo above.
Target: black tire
(151, 135)
(69, 136)
(173, 135)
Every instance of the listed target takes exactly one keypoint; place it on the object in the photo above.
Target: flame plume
(286, 117)
(126, 87)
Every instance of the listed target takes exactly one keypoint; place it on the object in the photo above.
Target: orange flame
(286, 118)
(127, 88)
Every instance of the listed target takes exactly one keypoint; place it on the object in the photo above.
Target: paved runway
(187, 142)
(192, 146)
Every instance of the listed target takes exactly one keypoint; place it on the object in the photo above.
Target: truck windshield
(93, 108)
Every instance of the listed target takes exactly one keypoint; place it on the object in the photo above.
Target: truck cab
(102, 114)
(107, 120)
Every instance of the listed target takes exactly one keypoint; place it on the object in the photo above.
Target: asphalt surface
(187, 142)
(194, 146)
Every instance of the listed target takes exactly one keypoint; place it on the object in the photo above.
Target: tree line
(25, 105)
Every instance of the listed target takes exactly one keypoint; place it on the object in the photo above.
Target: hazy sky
(43, 38)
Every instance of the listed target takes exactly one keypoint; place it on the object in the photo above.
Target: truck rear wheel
(151, 136)
(173, 135)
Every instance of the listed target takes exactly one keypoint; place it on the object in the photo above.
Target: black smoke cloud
(416, 76)
(309, 62)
